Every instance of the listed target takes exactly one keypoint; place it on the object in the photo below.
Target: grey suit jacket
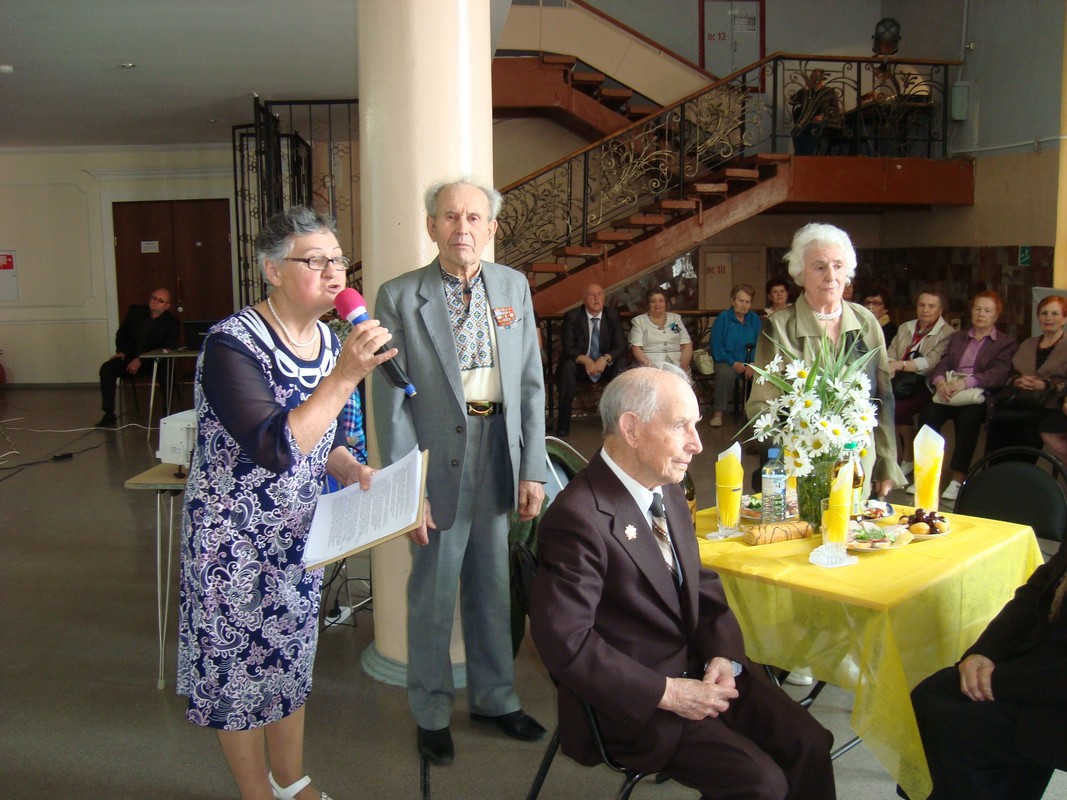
(412, 307)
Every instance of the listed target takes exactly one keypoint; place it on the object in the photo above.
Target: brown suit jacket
(609, 623)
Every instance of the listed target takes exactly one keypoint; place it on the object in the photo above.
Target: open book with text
(351, 520)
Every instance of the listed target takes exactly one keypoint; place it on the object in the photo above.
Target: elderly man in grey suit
(468, 341)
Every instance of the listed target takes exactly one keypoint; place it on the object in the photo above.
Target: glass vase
(812, 489)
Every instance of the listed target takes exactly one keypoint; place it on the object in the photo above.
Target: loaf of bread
(777, 532)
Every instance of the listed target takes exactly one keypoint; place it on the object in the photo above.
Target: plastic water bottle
(773, 487)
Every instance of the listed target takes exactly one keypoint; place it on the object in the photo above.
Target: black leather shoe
(561, 433)
(107, 421)
(517, 725)
(436, 746)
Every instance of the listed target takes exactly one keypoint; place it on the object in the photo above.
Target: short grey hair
(637, 391)
(492, 195)
(276, 238)
(824, 234)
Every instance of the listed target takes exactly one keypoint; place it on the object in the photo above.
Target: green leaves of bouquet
(822, 406)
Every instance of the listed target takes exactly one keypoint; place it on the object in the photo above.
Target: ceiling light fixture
(128, 65)
(6, 69)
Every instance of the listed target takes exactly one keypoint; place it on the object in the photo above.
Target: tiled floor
(80, 713)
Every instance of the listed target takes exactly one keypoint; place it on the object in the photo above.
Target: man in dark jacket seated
(993, 725)
(584, 356)
(143, 329)
(626, 619)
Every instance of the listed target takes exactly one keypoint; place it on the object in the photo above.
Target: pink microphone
(351, 305)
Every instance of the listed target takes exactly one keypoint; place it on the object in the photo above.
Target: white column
(425, 114)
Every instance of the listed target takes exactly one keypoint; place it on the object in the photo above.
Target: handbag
(965, 397)
(1023, 399)
(703, 362)
(907, 384)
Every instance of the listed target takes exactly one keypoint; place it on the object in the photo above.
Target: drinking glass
(927, 483)
(728, 503)
(834, 528)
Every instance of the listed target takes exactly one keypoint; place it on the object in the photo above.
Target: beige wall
(524, 146)
(1015, 203)
(55, 212)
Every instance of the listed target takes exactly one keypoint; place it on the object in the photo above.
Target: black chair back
(1002, 487)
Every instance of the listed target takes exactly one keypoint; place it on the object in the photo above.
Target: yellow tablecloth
(877, 627)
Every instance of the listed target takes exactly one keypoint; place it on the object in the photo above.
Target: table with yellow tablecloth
(878, 627)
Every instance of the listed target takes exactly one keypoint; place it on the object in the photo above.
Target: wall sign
(9, 284)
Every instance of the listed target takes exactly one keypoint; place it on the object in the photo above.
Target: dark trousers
(110, 371)
(567, 377)
(970, 746)
(968, 422)
(765, 746)
(1015, 427)
(115, 368)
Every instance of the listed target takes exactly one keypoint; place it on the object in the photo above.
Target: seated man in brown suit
(992, 726)
(625, 618)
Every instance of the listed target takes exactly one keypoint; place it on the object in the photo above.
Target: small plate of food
(877, 509)
(866, 537)
(925, 524)
(752, 507)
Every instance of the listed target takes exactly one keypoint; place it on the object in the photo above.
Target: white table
(166, 480)
(170, 356)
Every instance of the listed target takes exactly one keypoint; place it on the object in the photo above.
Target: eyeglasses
(319, 263)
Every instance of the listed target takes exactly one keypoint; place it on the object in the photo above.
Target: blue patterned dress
(248, 622)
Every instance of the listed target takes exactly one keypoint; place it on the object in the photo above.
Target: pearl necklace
(285, 330)
(829, 316)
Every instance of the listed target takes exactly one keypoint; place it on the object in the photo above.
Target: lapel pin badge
(631, 532)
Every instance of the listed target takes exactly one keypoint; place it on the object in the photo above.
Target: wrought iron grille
(296, 153)
(881, 108)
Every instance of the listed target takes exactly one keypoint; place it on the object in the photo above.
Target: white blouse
(660, 344)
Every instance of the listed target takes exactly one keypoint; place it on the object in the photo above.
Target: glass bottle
(852, 453)
(690, 490)
(773, 486)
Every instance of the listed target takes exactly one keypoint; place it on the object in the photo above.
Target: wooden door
(183, 245)
(204, 277)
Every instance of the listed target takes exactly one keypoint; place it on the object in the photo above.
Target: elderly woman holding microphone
(822, 261)
(271, 381)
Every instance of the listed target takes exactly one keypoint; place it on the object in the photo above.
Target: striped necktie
(663, 536)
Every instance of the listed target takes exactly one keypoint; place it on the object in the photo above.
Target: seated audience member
(659, 336)
(733, 342)
(992, 726)
(626, 619)
(1053, 431)
(1037, 384)
(877, 301)
(913, 353)
(979, 357)
(777, 296)
(592, 345)
(144, 328)
(815, 107)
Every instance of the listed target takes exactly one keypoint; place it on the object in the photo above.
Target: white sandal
(290, 792)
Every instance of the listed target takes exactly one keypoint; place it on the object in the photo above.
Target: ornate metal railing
(861, 107)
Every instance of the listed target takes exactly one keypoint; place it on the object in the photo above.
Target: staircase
(579, 98)
(666, 183)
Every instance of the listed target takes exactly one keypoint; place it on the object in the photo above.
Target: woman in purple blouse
(978, 357)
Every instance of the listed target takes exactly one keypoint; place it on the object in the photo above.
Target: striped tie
(663, 536)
